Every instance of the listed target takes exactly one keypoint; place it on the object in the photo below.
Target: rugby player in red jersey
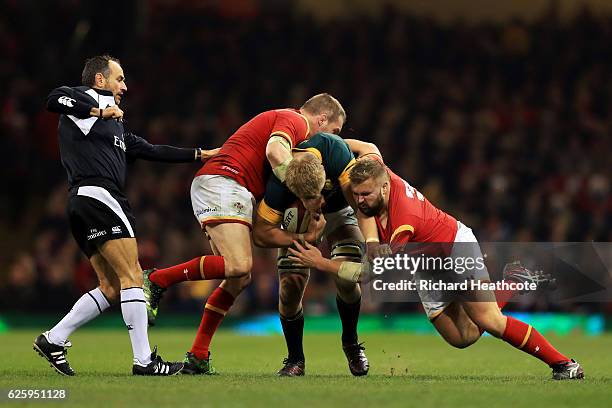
(223, 194)
(404, 215)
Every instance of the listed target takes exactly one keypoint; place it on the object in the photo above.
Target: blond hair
(365, 169)
(325, 103)
(305, 176)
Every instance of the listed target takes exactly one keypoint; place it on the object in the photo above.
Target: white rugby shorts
(220, 199)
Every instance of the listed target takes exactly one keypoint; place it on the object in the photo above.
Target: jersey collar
(103, 97)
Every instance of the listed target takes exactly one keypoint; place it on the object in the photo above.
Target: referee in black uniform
(95, 148)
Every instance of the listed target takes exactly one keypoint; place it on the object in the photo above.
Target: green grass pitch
(406, 370)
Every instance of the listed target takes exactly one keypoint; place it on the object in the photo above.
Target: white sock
(134, 313)
(89, 306)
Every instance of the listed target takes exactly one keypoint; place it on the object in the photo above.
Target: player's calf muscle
(111, 291)
(131, 280)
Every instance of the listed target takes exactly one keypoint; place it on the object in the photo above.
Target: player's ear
(323, 119)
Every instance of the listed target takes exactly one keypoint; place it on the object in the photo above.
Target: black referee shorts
(96, 215)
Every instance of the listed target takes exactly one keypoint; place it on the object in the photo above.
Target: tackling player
(223, 194)
(403, 215)
(318, 175)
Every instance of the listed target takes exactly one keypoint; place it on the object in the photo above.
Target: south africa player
(326, 159)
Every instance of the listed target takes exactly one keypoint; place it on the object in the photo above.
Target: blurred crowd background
(505, 124)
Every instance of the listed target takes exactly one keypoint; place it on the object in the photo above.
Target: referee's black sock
(293, 328)
(349, 316)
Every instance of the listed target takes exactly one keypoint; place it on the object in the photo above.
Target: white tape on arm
(283, 141)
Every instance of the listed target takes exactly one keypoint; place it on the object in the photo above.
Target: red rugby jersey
(412, 218)
(243, 156)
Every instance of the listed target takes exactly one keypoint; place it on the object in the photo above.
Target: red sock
(218, 304)
(200, 268)
(526, 338)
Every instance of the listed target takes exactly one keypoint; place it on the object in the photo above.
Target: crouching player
(318, 175)
(403, 215)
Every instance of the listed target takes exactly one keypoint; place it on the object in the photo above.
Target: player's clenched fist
(315, 228)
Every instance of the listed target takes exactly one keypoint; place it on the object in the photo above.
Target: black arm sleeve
(70, 102)
(139, 148)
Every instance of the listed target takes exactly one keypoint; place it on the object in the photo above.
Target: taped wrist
(280, 171)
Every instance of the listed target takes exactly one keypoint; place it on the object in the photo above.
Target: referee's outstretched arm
(139, 148)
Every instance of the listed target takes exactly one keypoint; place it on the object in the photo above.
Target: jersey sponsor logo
(291, 219)
(228, 168)
(64, 100)
(120, 143)
(116, 230)
(94, 233)
(129, 327)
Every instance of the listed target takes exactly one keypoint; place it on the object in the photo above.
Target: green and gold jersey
(337, 160)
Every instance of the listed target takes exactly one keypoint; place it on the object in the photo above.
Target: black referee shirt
(92, 148)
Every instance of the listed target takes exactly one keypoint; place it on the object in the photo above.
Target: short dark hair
(325, 103)
(96, 64)
(364, 169)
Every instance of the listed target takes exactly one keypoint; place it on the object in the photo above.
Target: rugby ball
(296, 218)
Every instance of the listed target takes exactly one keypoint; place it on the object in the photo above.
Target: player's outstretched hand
(307, 255)
(112, 112)
(207, 154)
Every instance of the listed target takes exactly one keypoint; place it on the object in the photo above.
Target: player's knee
(349, 292)
(290, 297)
(290, 293)
(238, 268)
(292, 281)
(492, 323)
(244, 281)
(463, 338)
(461, 342)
